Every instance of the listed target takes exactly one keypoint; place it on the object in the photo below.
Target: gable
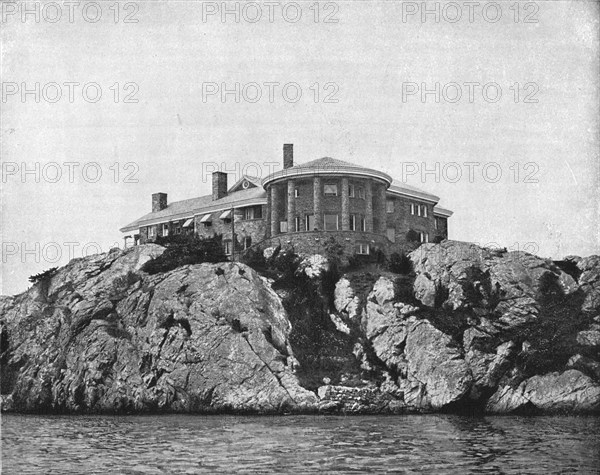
(245, 183)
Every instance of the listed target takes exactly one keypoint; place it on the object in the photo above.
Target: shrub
(43, 276)
(184, 250)
(400, 264)
(413, 236)
(334, 252)
(255, 258)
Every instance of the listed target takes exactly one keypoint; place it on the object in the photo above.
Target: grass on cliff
(321, 350)
(553, 336)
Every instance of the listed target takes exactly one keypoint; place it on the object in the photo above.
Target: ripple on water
(301, 444)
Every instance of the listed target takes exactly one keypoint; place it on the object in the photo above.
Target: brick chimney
(288, 155)
(159, 202)
(219, 185)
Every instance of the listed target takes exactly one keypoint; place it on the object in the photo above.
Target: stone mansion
(300, 206)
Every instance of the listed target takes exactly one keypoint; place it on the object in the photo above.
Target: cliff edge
(466, 329)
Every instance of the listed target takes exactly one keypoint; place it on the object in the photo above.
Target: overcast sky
(360, 67)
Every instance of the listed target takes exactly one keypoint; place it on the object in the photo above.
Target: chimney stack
(159, 202)
(288, 155)
(219, 185)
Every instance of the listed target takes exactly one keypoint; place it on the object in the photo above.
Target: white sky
(172, 135)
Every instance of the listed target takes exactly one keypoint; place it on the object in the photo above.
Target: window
(165, 230)
(362, 248)
(247, 242)
(425, 210)
(330, 222)
(177, 227)
(283, 227)
(361, 193)
(418, 210)
(248, 213)
(310, 222)
(330, 189)
(412, 209)
(351, 191)
(436, 223)
(151, 231)
(227, 247)
(424, 237)
(391, 234)
(252, 212)
(352, 222)
(363, 225)
(297, 223)
(296, 192)
(389, 206)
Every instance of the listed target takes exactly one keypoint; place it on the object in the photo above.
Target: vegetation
(183, 250)
(43, 276)
(320, 348)
(553, 336)
(412, 236)
(400, 264)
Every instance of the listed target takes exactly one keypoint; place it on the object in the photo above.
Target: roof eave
(192, 214)
(415, 194)
(446, 213)
(300, 172)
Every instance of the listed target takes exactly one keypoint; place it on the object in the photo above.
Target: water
(299, 444)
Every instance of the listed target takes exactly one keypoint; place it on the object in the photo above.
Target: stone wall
(402, 220)
(313, 242)
(255, 229)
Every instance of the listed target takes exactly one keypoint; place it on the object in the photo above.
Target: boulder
(345, 299)
(507, 284)
(589, 281)
(589, 338)
(585, 365)
(569, 391)
(434, 361)
(425, 290)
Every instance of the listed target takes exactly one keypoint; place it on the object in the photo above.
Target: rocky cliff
(104, 336)
(470, 329)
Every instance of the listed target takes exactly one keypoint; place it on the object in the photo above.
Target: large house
(301, 205)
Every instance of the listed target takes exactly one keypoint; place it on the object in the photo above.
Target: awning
(206, 218)
(188, 223)
(225, 214)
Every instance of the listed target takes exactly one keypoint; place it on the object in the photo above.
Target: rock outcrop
(103, 336)
(481, 329)
(470, 329)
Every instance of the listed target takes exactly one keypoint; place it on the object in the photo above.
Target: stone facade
(303, 206)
